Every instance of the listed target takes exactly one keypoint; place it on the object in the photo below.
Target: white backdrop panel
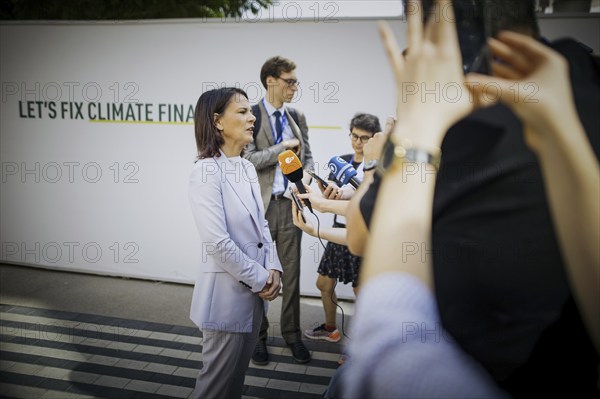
(111, 198)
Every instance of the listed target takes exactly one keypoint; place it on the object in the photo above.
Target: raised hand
(530, 78)
(432, 94)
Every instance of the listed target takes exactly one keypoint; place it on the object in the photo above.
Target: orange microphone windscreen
(289, 163)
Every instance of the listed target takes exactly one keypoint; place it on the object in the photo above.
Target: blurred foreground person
(397, 281)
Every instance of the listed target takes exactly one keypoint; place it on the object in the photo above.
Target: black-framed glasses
(290, 82)
(355, 137)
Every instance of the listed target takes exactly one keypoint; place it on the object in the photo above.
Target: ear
(271, 80)
(216, 119)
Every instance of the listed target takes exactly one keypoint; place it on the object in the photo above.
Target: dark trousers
(287, 239)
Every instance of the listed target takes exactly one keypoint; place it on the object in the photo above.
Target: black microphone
(291, 167)
(343, 172)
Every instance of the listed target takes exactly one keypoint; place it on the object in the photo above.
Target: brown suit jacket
(263, 151)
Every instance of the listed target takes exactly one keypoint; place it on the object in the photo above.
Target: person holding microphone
(337, 263)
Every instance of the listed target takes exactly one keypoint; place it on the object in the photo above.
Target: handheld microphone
(343, 172)
(291, 167)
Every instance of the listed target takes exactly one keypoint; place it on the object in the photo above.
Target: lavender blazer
(235, 245)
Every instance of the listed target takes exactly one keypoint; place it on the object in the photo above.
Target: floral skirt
(338, 263)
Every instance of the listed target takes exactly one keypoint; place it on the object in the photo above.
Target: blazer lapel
(235, 186)
(258, 198)
(296, 131)
(265, 123)
(295, 128)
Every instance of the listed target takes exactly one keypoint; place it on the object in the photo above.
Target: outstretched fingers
(514, 63)
(414, 18)
(441, 23)
(390, 122)
(525, 45)
(392, 49)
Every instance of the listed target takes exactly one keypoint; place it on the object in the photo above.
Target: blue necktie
(279, 130)
(278, 127)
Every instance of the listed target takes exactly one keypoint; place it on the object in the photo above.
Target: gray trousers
(225, 359)
(287, 238)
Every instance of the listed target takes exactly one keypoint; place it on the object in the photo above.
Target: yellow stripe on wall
(191, 123)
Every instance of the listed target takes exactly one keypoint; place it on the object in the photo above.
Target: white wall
(111, 198)
(134, 219)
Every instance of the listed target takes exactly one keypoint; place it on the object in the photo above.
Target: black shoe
(299, 352)
(260, 355)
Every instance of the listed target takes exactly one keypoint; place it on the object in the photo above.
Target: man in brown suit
(281, 128)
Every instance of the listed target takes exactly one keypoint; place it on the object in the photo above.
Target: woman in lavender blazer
(239, 270)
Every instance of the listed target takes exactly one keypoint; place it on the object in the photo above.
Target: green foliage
(125, 9)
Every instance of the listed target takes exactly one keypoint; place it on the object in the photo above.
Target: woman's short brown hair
(208, 138)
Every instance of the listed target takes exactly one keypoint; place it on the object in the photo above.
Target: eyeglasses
(290, 82)
(355, 137)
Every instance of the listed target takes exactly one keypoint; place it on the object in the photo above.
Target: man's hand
(271, 289)
(292, 144)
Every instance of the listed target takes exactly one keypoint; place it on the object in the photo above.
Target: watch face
(370, 165)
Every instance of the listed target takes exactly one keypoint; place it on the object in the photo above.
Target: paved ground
(68, 335)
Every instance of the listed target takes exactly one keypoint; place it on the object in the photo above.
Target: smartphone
(473, 34)
(298, 203)
(317, 178)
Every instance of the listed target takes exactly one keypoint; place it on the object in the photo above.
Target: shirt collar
(271, 109)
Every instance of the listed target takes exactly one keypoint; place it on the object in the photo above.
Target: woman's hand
(317, 201)
(432, 94)
(531, 79)
(271, 289)
(374, 146)
(321, 187)
(332, 191)
(297, 217)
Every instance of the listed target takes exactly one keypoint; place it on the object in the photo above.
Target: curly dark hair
(367, 122)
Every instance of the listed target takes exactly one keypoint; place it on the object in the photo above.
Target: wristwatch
(394, 154)
(370, 165)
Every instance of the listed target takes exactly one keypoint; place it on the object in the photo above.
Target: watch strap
(371, 165)
(397, 152)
